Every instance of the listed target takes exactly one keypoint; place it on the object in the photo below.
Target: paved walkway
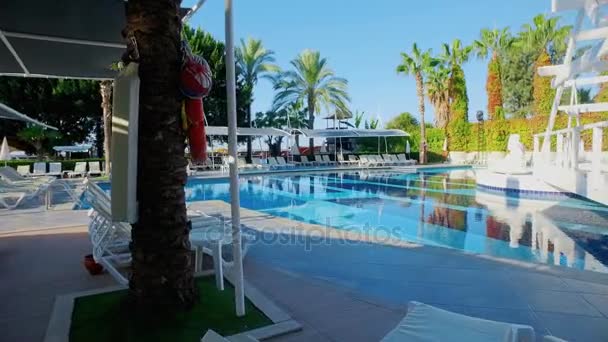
(339, 291)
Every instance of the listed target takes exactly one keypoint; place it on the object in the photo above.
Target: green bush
(65, 164)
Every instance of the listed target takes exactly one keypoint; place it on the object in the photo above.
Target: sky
(362, 41)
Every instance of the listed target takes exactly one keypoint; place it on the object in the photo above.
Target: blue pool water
(438, 207)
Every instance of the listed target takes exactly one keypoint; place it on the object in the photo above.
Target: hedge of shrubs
(496, 135)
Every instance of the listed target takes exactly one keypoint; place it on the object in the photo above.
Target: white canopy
(246, 131)
(352, 133)
(73, 39)
(73, 148)
(9, 113)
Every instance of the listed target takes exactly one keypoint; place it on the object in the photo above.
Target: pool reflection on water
(440, 208)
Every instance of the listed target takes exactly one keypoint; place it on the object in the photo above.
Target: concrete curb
(58, 329)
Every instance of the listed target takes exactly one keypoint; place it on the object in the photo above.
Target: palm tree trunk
(105, 87)
(311, 125)
(162, 269)
(249, 145)
(420, 92)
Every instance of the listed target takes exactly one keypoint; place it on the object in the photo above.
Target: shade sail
(352, 133)
(73, 39)
(245, 131)
(9, 113)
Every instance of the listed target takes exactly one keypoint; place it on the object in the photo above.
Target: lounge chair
(304, 161)
(11, 195)
(110, 239)
(80, 170)
(281, 161)
(94, 169)
(319, 161)
(328, 160)
(427, 323)
(273, 164)
(258, 163)
(353, 159)
(24, 170)
(39, 169)
(55, 170)
(403, 158)
(12, 176)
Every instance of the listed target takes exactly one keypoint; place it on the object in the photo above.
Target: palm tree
(105, 88)
(162, 277)
(437, 90)
(417, 64)
(313, 83)
(253, 61)
(493, 42)
(358, 118)
(543, 35)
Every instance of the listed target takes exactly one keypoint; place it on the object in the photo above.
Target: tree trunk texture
(420, 91)
(311, 125)
(105, 88)
(249, 140)
(162, 269)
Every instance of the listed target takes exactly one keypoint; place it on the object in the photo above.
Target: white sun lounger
(54, 170)
(24, 170)
(319, 161)
(80, 170)
(328, 160)
(39, 169)
(281, 161)
(304, 161)
(94, 169)
(403, 158)
(12, 195)
(258, 163)
(110, 240)
(427, 323)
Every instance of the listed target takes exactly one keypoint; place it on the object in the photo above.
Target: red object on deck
(196, 129)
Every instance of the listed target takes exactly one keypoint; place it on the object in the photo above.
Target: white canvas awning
(73, 148)
(9, 113)
(352, 133)
(73, 39)
(245, 131)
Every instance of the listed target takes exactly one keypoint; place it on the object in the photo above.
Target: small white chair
(281, 161)
(328, 160)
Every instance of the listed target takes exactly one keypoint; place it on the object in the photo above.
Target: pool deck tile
(337, 291)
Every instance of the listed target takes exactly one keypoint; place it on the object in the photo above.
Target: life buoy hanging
(196, 129)
(195, 84)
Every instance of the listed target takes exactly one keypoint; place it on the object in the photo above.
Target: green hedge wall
(65, 164)
(497, 131)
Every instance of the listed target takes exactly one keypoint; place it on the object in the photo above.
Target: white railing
(568, 166)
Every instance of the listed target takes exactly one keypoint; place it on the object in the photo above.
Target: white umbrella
(445, 144)
(5, 153)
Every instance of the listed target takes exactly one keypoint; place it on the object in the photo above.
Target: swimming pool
(438, 207)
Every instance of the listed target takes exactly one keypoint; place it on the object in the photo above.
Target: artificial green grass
(103, 318)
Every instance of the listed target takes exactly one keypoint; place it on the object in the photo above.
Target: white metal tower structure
(569, 167)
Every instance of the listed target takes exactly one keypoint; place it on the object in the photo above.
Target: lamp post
(481, 137)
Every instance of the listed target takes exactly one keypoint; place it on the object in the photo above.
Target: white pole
(234, 172)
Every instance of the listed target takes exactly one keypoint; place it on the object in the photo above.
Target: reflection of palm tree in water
(445, 217)
(422, 202)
